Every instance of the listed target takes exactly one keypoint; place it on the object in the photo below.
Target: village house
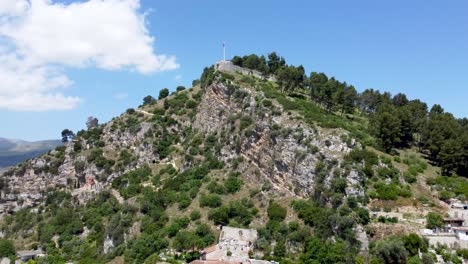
(461, 233)
(454, 233)
(26, 255)
(233, 247)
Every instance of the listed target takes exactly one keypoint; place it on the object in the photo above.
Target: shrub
(387, 191)
(195, 215)
(191, 104)
(163, 93)
(463, 253)
(267, 103)
(245, 121)
(434, 220)
(363, 215)
(413, 243)
(214, 187)
(390, 251)
(7, 248)
(276, 212)
(219, 216)
(409, 177)
(210, 200)
(80, 166)
(180, 88)
(359, 155)
(233, 183)
(144, 246)
(387, 220)
(184, 200)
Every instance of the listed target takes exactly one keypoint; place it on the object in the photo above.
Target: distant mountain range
(14, 151)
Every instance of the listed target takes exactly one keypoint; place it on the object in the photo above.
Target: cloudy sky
(62, 60)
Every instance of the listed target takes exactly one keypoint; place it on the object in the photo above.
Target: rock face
(281, 151)
(285, 151)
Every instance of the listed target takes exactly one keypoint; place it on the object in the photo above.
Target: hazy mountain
(14, 151)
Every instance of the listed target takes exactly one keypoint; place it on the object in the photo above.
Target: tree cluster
(395, 121)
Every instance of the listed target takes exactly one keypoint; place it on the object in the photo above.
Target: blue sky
(416, 47)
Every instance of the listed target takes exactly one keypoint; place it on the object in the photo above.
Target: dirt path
(144, 112)
(117, 196)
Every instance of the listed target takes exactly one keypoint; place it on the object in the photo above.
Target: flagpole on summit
(224, 51)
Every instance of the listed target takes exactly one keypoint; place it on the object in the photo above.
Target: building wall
(462, 235)
(228, 66)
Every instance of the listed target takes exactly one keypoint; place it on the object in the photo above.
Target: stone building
(228, 66)
(233, 245)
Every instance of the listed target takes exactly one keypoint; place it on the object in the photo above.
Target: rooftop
(29, 253)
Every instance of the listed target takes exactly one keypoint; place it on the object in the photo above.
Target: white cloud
(41, 38)
(13, 7)
(178, 78)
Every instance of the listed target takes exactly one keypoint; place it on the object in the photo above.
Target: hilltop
(254, 144)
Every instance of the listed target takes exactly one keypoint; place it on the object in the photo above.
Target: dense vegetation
(395, 121)
(175, 201)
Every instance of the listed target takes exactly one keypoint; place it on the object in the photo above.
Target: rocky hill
(234, 150)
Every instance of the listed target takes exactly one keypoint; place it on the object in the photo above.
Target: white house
(461, 232)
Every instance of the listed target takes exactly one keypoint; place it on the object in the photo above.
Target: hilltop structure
(233, 247)
(229, 67)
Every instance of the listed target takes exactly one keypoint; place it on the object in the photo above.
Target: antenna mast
(224, 51)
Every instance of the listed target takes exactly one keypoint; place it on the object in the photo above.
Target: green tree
(385, 125)
(290, 77)
(413, 243)
(237, 60)
(185, 240)
(163, 93)
(233, 184)
(67, 135)
(434, 220)
(280, 249)
(390, 251)
(274, 62)
(144, 246)
(316, 81)
(317, 251)
(147, 100)
(180, 88)
(350, 97)
(220, 216)
(400, 100)
(7, 248)
(406, 127)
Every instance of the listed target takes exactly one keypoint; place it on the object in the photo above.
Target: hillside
(14, 151)
(241, 148)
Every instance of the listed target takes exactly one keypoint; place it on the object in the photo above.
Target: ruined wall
(228, 66)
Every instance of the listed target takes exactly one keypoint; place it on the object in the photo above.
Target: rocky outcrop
(285, 151)
(282, 151)
(27, 186)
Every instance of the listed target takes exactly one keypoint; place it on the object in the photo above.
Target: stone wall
(228, 66)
